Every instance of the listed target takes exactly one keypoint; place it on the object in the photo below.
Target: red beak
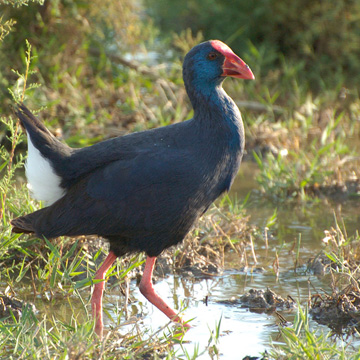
(233, 66)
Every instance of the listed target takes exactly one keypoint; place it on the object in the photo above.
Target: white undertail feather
(43, 182)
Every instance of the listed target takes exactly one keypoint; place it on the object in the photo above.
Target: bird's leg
(96, 299)
(147, 289)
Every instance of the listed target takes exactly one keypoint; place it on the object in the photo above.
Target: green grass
(47, 337)
(302, 172)
(302, 341)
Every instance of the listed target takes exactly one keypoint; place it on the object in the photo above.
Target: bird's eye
(212, 56)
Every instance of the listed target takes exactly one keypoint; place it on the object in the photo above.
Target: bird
(144, 191)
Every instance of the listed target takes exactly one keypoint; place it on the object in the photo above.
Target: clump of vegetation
(221, 230)
(321, 163)
(340, 310)
(301, 341)
(49, 338)
(341, 254)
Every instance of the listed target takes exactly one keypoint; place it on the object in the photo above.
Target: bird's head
(206, 65)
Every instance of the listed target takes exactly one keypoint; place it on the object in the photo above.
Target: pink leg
(96, 299)
(147, 289)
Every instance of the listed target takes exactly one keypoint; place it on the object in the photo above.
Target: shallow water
(243, 332)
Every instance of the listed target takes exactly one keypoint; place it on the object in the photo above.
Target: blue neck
(213, 108)
(220, 127)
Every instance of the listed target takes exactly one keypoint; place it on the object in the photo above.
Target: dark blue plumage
(144, 191)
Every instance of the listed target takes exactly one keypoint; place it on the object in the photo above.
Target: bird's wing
(84, 161)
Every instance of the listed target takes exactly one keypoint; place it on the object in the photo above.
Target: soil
(11, 306)
(339, 311)
(262, 301)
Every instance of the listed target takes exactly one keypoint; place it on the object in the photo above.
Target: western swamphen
(143, 191)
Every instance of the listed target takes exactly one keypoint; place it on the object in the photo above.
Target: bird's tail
(29, 121)
(23, 224)
(40, 136)
(45, 157)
